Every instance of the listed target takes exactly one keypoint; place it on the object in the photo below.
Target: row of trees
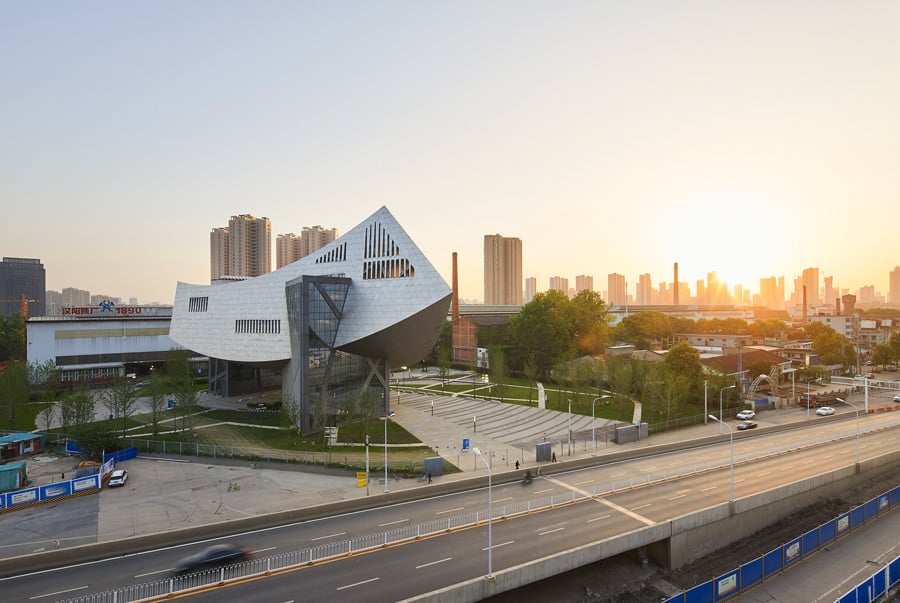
(23, 388)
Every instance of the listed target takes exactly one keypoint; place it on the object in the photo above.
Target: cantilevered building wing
(332, 323)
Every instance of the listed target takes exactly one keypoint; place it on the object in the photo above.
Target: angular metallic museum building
(329, 326)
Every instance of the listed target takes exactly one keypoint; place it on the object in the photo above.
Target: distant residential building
(75, 297)
(559, 283)
(616, 287)
(243, 249)
(894, 291)
(502, 270)
(18, 277)
(810, 280)
(287, 249)
(530, 288)
(218, 253)
(584, 282)
(644, 292)
(102, 297)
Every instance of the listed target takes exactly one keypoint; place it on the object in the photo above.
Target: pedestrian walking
(517, 465)
(553, 457)
(429, 477)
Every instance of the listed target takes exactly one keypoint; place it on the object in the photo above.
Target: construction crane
(24, 311)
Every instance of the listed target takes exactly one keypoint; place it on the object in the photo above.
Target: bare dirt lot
(622, 580)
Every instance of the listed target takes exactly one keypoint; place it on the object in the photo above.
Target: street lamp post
(593, 422)
(570, 428)
(490, 572)
(857, 426)
(731, 439)
(721, 391)
(386, 418)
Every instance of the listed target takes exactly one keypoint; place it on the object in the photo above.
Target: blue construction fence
(27, 497)
(752, 573)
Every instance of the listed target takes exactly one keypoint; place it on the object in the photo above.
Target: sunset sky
(754, 139)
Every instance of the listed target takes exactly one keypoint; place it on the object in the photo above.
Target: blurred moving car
(215, 555)
(746, 414)
(746, 425)
(897, 398)
(118, 478)
(824, 411)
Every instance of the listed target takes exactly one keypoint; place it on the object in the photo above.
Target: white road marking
(329, 536)
(162, 571)
(496, 546)
(59, 592)
(617, 475)
(434, 562)
(598, 518)
(677, 497)
(543, 491)
(641, 507)
(358, 583)
(587, 481)
(709, 488)
(390, 523)
(271, 548)
(450, 510)
(550, 531)
(503, 499)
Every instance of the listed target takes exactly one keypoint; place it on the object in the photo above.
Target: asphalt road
(402, 571)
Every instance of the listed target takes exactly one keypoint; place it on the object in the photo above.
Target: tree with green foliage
(95, 440)
(591, 327)
(620, 378)
(499, 369)
(894, 344)
(12, 338)
(882, 355)
(834, 348)
(14, 393)
(544, 331)
(156, 401)
(76, 408)
(120, 400)
(530, 372)
(683, 360)
(180, 381)
(290, 417)
(644, 328)
(443, 364)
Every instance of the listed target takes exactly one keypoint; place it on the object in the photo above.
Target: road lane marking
(606, 502)
(678, 496)
(271, 548)
(497, 546)
(162, 571)
(587, 481)
(355, 584)
(329, 536)
(59, 592)
(617, 475)
(709, 488)
(598, 518)
(763, 474)
(434, 562)
(503, 499)
(550, 531)
(450, 510)
(641, 507)
(390, 523)
(543, 491)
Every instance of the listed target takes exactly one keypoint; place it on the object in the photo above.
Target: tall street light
(731, 439)
(386, 419)
(721, 391)
(857, 426)
(490, 574)
(570, 428)
(367, 464)
(593, 422)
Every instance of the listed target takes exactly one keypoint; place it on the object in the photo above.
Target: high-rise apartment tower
(502, 270)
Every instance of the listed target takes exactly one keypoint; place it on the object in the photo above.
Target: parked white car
(746, 415)
(118, 478)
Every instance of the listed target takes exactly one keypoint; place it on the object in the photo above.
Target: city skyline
(749, 140)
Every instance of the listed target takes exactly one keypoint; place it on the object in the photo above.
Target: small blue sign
(465, 443)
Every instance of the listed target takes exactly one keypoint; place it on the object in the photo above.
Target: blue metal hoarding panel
(809, 542)
(827, 532)
(56, 490)
(871, 508)
(773, 562)
(25, 496)
(883, 503)
(702, 593)
(857, 517)
(791, 551)
(751, 573)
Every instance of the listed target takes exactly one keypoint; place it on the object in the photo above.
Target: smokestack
(454, 301)
(804, 305)
(837, 306)
(675, 298)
